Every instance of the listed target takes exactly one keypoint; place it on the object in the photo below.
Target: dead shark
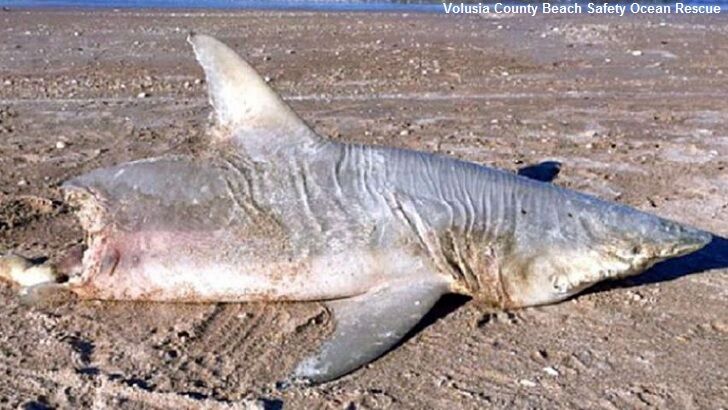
(274, 212)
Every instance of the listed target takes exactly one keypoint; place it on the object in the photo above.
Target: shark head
(600, 241)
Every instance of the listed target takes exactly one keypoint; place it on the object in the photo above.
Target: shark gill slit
(336, 176)
(303, 186)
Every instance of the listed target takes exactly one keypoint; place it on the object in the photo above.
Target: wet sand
(635, 109)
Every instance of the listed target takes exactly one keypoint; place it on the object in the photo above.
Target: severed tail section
(40, 283)
(367, 326)
(21, 271)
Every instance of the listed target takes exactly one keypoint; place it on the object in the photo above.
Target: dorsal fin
(243, 102)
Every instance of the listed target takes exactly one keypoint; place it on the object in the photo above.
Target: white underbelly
(152, 271)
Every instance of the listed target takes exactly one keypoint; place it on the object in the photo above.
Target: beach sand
(635, 109)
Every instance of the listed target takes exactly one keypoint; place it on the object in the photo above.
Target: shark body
(272, 211)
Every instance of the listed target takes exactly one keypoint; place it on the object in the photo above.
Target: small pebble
(60, 145)
(636, 53)
(551, 371)
(142, 95)
(635, 296)
(720, 326)
(527, 383)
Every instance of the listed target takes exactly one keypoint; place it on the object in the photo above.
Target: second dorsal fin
(240, 97)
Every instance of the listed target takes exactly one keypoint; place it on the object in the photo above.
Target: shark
(272, 211)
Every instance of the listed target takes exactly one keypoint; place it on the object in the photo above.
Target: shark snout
(681, 240)
(648, 240)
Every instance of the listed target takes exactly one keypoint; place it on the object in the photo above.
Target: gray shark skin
(273, 211)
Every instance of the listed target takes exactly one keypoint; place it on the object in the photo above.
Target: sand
(635, 109)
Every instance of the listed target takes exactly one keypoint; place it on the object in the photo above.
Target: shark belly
(211, 266)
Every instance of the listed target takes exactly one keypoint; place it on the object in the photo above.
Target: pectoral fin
(367, 326)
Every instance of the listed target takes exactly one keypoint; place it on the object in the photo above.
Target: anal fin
(367, 326)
